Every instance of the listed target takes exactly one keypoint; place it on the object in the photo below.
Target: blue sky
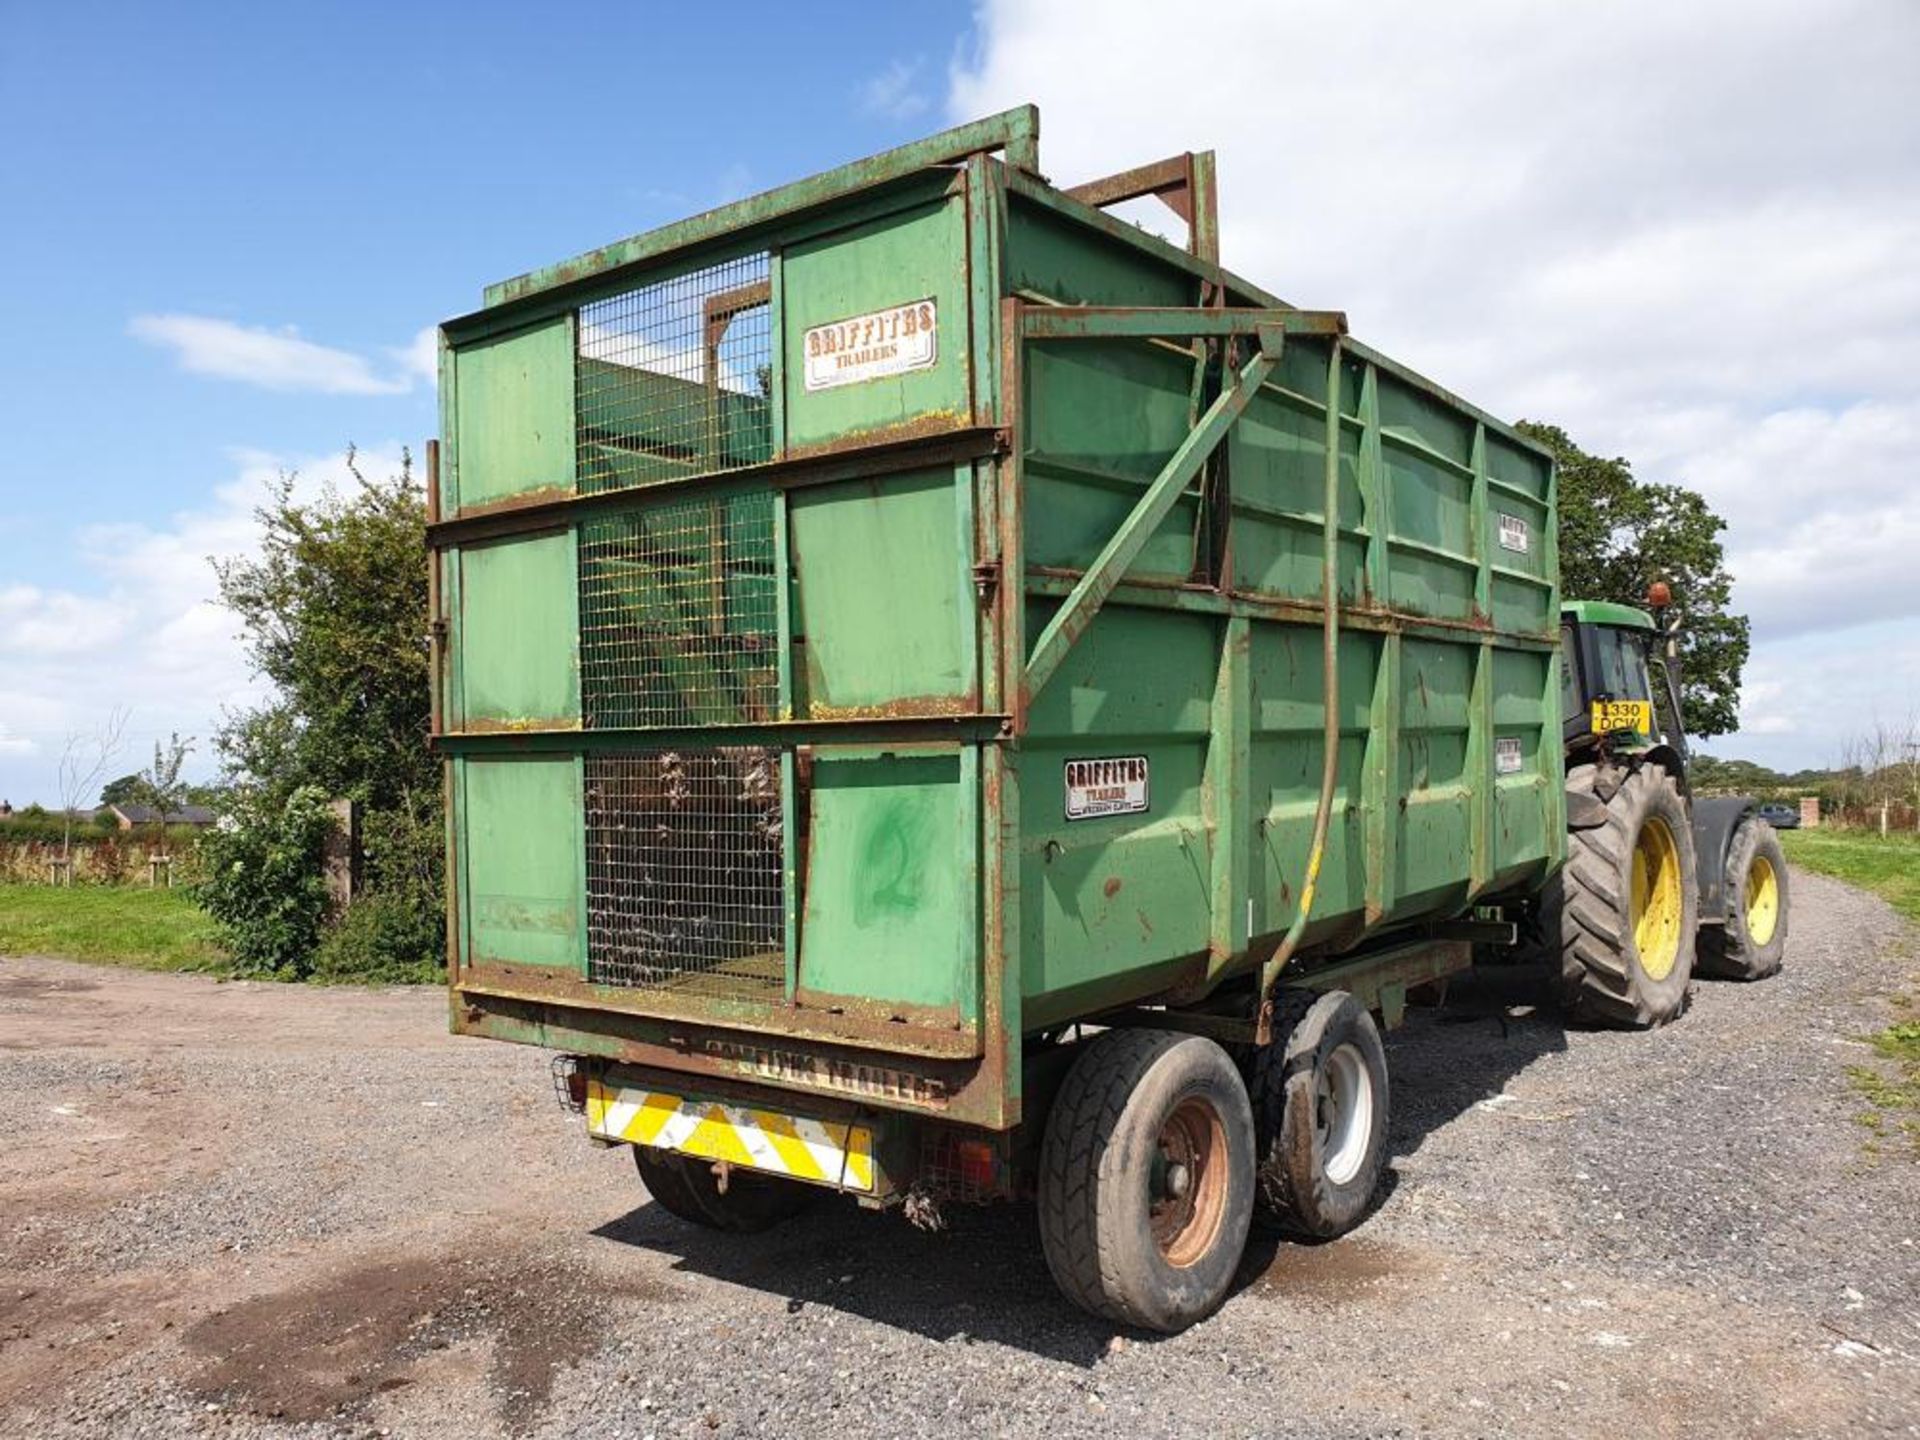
(229, 226)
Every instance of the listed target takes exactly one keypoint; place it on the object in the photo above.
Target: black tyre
(1753, 942)
(1630, 905)
(1146, 1179)
(1320, 1103)
(687, 1187)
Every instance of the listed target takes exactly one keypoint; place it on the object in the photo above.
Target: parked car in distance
(1781, 816)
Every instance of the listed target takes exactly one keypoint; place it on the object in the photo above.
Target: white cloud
(144, 627)
(896, 92)
(420, 358)
(276, 359)
(1683, 232)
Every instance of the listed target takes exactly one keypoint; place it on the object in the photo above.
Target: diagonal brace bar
(1070, 621)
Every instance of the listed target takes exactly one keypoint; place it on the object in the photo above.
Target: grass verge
(1889, 866)
(124, 924)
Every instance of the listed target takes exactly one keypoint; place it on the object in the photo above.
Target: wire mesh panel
(684, 878)
(678, 624)
(676, 378)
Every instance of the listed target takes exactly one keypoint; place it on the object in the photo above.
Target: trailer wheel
(1630, 905)
(1320, 1101)
(1146, 1178)
(1753, 942)
(687, 1187)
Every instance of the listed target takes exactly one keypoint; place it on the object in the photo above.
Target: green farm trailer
(948, 696)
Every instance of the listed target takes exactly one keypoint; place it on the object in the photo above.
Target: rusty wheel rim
(1187, 1186)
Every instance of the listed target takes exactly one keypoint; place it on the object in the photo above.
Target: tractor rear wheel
(1751, 945)
(1629, 904)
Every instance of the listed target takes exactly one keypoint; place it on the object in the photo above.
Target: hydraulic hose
(1330, 688)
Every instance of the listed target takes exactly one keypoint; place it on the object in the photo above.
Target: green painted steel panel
(915, 255)
(887, 616)
(914, 876)
(524, 861)
(519, 634)
(891, 883)
(513, 414)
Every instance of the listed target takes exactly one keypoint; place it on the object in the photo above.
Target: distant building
(128, 815)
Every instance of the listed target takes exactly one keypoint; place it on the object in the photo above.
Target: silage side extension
(882, 623)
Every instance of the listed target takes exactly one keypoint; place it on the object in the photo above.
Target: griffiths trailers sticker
(869, 347)
(1513, 533)
(1106, 787)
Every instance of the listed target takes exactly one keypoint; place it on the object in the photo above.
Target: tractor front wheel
(1751, 945)
(1629, 904)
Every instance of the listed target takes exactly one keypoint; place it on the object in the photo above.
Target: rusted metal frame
(1173, 322)
(1184, 183)
(1014, 132)
(867, 1025)
(949, 1088)
(770, 235)
(1553, 794)
(1038, 192)
(436, 681)
(1203, 234)
(947, 445)
(1001, 989)
(1070, 621)
(905, 730)
(1380, 794)
(444, 478)
(1227, 1029)
(1376, 499)
(1224, 793)
(1204, 599)
(1169, 180)
(1481, 749)
(1369, 977)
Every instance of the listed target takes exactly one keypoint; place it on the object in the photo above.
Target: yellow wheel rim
(1763, 900)
(1657, 908)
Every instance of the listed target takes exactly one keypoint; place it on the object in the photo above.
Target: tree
(159, 784)
(122, 791)
(1618, 534)
(83, 757)
(334, 611)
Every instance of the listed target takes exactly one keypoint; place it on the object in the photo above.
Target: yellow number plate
(1612, 716)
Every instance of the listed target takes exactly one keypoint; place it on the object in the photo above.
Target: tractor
(1659, 885)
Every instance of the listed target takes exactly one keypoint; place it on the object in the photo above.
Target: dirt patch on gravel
(321, 1348)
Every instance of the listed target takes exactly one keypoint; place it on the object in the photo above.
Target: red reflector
(978, 1164)
(577, 1088)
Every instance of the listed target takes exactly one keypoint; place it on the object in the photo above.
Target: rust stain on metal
(909, 707)
(1112, 887)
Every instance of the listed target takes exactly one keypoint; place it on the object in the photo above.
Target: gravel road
(245, 1210)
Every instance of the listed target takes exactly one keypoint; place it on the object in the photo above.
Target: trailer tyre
(1320, 1101)
(687, 1187)
(1146, 1179)
(1630, 905)
(1753, 942)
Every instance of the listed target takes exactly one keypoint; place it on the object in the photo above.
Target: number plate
(868, 347)
(1612, 716)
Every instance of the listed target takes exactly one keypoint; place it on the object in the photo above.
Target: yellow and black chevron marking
(837, 1155)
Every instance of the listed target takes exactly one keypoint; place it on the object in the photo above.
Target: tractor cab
(1619, 690)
